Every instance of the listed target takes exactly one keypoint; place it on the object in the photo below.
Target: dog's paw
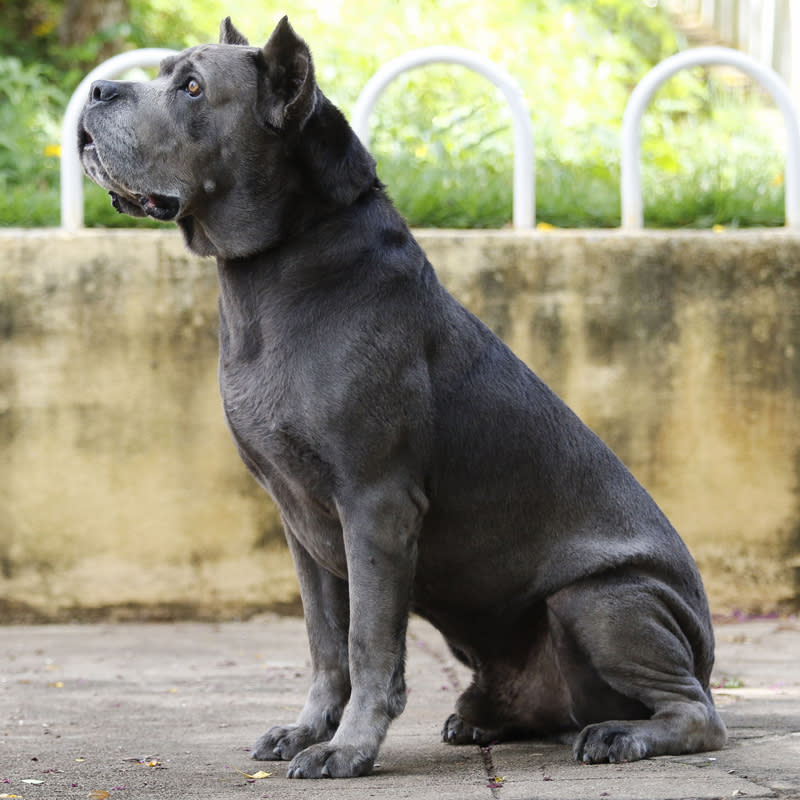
(330, 761)
(612, 742)
(283, 742)
(456, 731)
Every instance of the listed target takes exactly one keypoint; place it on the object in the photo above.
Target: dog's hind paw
(456, 731)
(612, 742)
(284, 742)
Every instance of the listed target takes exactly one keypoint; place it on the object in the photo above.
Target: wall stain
(681, 350)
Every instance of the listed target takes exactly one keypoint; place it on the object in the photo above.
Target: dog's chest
(267, 419)
(266, 413)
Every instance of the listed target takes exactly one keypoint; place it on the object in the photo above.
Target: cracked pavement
(129, 711)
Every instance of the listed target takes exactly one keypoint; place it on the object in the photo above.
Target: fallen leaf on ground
(257, 776)
(98, 794)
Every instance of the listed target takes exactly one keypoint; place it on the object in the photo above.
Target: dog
(417, 464)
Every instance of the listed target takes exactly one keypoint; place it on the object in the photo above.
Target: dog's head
(237, 144)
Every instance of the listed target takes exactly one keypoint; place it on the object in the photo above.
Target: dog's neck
(321, 171)
(316, 250)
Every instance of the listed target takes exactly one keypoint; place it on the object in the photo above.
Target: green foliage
(28, 29)
(30, 106)
(442, 135)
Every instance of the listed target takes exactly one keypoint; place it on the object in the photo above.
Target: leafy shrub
(30, 105)
(442, 135)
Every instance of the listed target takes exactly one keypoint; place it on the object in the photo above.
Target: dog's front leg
(326, 612)
(381, 526)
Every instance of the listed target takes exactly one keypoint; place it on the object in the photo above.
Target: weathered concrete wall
(120, 487)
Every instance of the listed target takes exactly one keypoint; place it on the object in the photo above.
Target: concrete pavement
(135, 711)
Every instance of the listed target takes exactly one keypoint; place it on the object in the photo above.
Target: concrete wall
(120, 490)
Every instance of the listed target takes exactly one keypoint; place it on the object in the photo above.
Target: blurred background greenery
(712, 152)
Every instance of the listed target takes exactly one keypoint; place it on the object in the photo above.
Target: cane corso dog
(416, 462)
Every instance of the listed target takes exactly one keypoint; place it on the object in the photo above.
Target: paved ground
(132, 711)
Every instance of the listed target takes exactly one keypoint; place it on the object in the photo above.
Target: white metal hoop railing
(524, 188)
(631, 180)
(71, 173)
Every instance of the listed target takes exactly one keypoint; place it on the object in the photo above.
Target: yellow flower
(43, 28)
(545, 226)
(52, 151)
(718, 228)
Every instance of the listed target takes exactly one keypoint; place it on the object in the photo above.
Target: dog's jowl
(416, 462)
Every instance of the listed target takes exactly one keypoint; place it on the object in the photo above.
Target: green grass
(442, 136)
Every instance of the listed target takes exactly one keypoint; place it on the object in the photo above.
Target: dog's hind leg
(327, 614)
(650, 649)
(517, 688)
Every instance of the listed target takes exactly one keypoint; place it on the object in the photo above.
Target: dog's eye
(193, 88)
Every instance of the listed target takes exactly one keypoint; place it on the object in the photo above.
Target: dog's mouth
(126, 201)
(159, 206)
(85, 140)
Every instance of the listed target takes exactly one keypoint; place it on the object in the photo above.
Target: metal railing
(71, 173)
(524, 203)
(631, 181)
(768, 30)
(524, 211)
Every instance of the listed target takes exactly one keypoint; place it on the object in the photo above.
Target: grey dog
(416, 462)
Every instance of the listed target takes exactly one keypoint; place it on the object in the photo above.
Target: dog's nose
(103, 91)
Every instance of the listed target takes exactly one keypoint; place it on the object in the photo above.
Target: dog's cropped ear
(229, 35)
(288, 98)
